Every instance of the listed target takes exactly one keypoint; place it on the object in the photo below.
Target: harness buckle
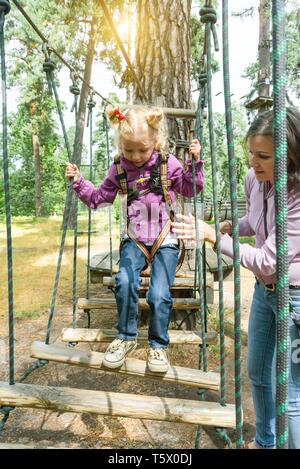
(271, 287)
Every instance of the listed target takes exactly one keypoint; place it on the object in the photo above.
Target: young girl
(261, 260)
(142, 143)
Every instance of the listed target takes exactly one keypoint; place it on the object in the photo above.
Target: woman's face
(261, 157)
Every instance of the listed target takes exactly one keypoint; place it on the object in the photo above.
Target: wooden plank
(177, 113)
(62, 399)
(179, 283)
(107, 335)
(20, 446)
(110, 303)
(131, 366)
(101, 264)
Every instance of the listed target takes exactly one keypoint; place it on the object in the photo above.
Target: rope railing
(4, 10)
(52, 49)
(281, 199)
(235, 231)
(91, 105)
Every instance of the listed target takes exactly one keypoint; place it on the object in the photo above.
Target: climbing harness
(158, 183)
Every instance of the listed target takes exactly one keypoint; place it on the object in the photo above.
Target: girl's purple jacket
(261, 259)
(148, 213)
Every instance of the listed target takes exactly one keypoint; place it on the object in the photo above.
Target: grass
(36, 244)
(248, 240)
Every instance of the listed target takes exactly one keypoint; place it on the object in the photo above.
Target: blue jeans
(261, 362)
(159, 298)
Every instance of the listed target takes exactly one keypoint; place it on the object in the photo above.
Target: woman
(261, 260)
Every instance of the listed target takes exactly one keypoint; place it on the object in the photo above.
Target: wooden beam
(175, 113)
(110, 303)
(107, 335)
(131, 366)
(62, 399)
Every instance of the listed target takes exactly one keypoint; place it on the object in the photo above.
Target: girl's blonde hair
(139, 119)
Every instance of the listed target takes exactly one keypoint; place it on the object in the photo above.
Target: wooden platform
(62, 399)
(179, 283)
(110, 303)
(100, 266)
(132, 366)
(107, 335)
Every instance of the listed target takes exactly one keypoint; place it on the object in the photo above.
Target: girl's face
(138, 149)
(261, 157)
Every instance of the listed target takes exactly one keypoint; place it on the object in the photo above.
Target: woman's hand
(72, 172)
(187, 229)
(194, 149)
(226, 227)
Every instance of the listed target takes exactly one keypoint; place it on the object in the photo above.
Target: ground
(40, 429)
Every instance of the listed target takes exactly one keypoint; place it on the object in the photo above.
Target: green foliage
(240, 126)
(292, 58)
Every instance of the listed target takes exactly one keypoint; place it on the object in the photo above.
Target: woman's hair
(263, 125)
(138, 119)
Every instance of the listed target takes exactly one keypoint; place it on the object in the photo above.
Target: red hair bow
(118, 116)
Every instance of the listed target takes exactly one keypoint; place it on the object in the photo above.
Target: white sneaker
(157, 360)
(117, 351)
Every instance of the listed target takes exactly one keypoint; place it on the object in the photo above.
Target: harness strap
(165, 183)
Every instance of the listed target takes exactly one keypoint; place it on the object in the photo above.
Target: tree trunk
(37, 164)
(81, 116)
(264, 54)
(162, 59)
(77, 152)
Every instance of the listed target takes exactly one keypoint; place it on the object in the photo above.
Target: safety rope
(49, 67)
(281, 211)
(4, 10)
(232, 163)
(105, 128)
(91, 104)
(215, 191)
(65, 62)
(74, 89)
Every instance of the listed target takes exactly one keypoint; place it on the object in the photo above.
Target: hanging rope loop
(91, 103)
(49, 66)
(208, 15)
(202, 79)
(5, 6)
(74, 88)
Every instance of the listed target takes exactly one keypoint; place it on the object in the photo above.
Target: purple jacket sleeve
(262, 261)
(182, 181)
(97, 197)
(244, 227)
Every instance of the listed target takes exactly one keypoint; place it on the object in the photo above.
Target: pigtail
(154, 117)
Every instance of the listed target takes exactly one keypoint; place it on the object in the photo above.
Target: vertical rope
(4, 9)
(281, 211)
(91, 105)
(235, 234)
(105, 124)
(74, 89)
(67, 209)
(215, 204)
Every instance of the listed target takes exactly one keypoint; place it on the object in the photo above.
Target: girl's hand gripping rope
(72, 172)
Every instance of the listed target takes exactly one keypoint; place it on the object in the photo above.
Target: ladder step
(110, 303)
(107, 335)
(62, 399)
(132, 366)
